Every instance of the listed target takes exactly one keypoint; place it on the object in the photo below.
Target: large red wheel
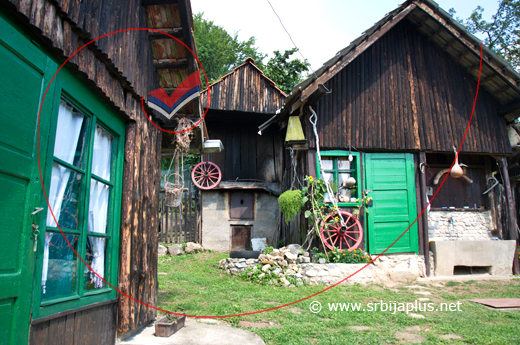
(342, 237)
(206, 175)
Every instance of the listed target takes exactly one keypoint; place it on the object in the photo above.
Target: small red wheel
(342, 237)
(206, 175)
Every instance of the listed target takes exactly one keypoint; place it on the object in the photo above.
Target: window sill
(458, 209)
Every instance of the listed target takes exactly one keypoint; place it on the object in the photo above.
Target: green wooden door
(390, 179)
(25, 72)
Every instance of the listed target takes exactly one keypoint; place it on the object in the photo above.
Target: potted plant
(169, 324)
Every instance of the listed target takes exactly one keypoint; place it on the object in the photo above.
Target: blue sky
(319, 28)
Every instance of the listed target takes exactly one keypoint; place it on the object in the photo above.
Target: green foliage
(218, 51)
(290, 202)
(190, 161)
(195, 285)
(286, 74)
(356, 256)
(268, 250)
(502, 32)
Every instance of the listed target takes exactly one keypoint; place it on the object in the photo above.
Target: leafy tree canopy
(218, 51)
(286, 74)
(502, 32)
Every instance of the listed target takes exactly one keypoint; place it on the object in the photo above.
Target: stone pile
(293, 268)
(179, 249)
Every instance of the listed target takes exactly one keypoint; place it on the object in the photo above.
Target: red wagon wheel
(342, 237)
(206, 175)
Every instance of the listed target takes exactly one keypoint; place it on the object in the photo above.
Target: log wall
(246, 154)
(245, 89)
(83, 326)
(404, 93)
(119, 68)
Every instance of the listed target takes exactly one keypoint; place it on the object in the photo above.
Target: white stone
(311, 273)
(240, 265)
(266, 267)
(161, 250)
(175, 249)
(291, 256)
(192, 247)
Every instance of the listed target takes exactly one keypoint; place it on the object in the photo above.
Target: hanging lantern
(294, 136)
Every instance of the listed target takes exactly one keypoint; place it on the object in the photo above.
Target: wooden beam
(509, 108)
(424, 217)
(500, 91)
(511, 211)
(175, 32)
(169, 65)
(434, 33)
(462, 56)
(491, 77)
(470, 45)
(158, 2)
(449, 45)
(347, 59)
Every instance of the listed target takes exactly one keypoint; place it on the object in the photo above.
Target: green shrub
(356, 256)
(268, 250)
(290, 204)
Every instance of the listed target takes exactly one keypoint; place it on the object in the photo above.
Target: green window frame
(99, 122)
(338, 158)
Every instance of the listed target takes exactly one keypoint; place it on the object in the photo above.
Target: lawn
(193, 284)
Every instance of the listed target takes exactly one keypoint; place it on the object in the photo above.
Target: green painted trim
(342, 153)
(72, 88)
(20, 42)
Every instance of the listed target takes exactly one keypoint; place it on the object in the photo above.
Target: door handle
(37, 210)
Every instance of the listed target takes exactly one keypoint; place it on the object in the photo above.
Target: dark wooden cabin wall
(96, 325)
(119, 68)
(457, 192)
(245, 89)
(246, 154)
(404, 93)
(139, 225)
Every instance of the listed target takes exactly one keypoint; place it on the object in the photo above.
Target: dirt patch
(313, 340)
(406, 337)
(360, 328)
(450, 336)
(294, 310)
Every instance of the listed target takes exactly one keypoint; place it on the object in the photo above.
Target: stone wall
(216, 225)
(459, 225)
(388, 269)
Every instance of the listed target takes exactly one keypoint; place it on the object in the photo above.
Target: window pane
(98, 208)
(64, 197)
(59, 266)
(95, 257)
(71, 139)
(102, 153)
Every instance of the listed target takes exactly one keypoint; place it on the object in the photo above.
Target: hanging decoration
(174, 190)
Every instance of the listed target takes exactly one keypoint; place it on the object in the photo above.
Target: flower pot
(165, 328)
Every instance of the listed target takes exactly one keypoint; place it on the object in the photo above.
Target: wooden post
(510, 210)
(424, 217)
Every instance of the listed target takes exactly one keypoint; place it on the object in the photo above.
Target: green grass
(196, 286)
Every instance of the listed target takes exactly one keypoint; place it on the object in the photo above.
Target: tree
(286, 74)
(502, 32)
(218, 51)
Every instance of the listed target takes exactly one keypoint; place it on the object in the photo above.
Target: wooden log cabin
(398, 99)
(243, 206)
(96, 154)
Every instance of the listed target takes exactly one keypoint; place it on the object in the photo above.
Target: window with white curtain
(80, 196)
(337, 167)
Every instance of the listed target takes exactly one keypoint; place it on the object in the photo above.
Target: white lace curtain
(65, 144)
(98, 208)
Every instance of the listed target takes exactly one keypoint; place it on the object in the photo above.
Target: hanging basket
(173, 191)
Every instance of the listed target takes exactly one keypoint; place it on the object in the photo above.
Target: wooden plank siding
(246, 154)
(405, 94)
(245, 89)
(118, 68)
(86, 326)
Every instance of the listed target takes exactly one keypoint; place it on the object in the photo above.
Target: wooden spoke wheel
(206, 175)
(342, 237)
